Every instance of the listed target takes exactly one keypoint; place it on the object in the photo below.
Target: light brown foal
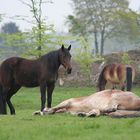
(115, 103)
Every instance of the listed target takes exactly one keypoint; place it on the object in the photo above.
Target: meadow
(25, 126)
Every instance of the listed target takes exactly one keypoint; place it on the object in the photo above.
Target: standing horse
(16, 72)
(120, 74)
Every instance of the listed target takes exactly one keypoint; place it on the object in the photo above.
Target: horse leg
(92, 113)
(114, 87)
(2, 105)
(12, 109)
(43, 95)
(124, 114)
(5, 91)
(13, 90)
(49, 94)
(80, 114)
(60, 108)
(1, 100)
(103, 85)
(122, 86)
(63, 106)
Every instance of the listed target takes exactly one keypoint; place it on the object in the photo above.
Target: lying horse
(116, 74)
(115, 103)
(16, 72)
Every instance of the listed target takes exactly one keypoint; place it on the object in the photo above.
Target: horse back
(19, 70)
(115, 73)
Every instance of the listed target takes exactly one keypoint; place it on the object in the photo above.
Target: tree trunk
(102, 42)
(96, 43)
(39, 39)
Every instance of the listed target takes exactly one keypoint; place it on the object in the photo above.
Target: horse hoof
(45, 109)
(81, 114)
(37, 113)
(92, 115)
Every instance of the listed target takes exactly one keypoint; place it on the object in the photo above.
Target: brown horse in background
(116, 74)
(16, 72)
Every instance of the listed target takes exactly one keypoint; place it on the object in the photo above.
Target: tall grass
(24, 126)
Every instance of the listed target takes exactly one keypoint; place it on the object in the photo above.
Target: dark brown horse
(16, 72)
(116, 74)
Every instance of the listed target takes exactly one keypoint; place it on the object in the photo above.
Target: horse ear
(62, 47)
(69, 48)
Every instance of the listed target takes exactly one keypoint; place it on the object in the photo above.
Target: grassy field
(24, 126)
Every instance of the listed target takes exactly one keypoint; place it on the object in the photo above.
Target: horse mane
(51, 57)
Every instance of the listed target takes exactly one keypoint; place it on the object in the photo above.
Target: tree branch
(25, 3)
(34, 11)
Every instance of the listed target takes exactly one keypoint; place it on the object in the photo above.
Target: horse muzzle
(69, 70)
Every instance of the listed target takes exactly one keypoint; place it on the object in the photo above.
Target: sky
(55, 13)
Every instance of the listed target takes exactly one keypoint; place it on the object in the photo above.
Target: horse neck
(52, 61)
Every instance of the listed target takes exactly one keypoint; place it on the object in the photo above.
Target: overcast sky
(55, 13)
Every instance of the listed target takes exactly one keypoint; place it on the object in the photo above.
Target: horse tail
(6, 78)
(101, 80)
(129, 78)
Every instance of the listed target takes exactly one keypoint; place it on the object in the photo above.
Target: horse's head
(65, 58)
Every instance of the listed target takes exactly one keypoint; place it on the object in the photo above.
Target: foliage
(76, 27)
(129, 22)
(126, 58)
(12, 39)
(63, 126)
(35, 42)
(84, 55)
(40, 28)
(10, 28)
(42, 38)
(0, 17)
(100, 19)
(15, 42)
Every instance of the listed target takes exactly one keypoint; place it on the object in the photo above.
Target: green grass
(24, 126)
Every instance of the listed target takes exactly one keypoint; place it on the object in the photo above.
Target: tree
(10, 28)
(12, 39)
(131, 23)
(85, 58)
(0, 21)
(99, 18)
(76, 27)
(0, 17)
(40, 28)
